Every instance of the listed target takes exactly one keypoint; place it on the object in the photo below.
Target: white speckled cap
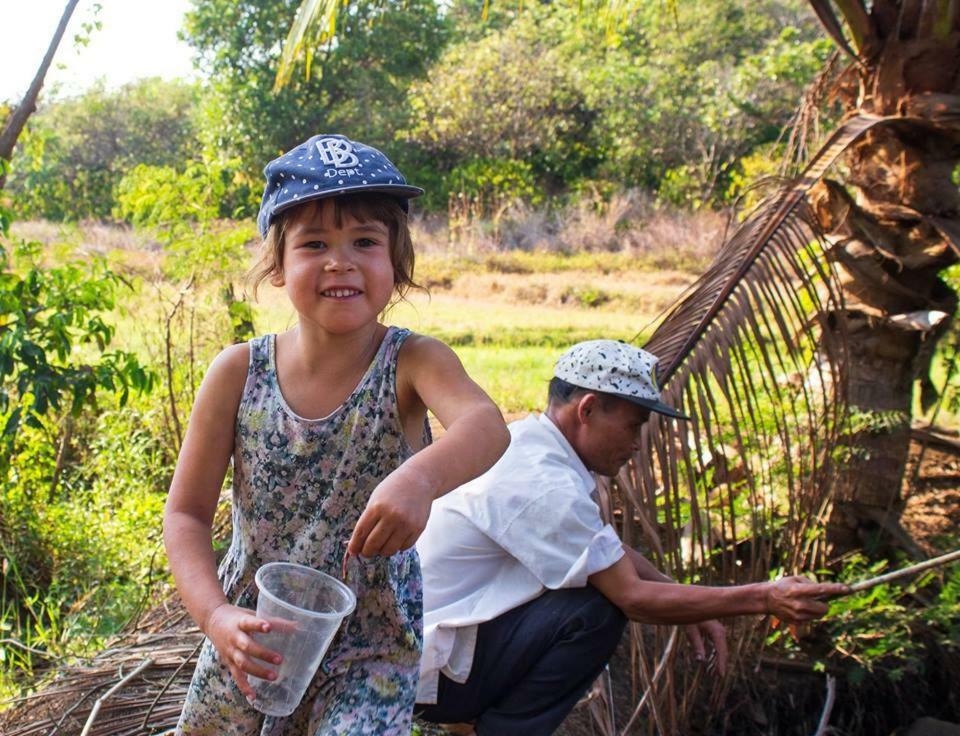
(617, 368)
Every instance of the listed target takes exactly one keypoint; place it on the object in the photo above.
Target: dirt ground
(932, 511)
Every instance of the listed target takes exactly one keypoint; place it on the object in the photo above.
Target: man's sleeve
(561, 539)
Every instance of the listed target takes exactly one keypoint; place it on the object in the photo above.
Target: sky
(138, 39)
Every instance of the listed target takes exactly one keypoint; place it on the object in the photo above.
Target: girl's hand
(395, 515)
(229, 628)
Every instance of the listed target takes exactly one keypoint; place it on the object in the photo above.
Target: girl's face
(338, 278)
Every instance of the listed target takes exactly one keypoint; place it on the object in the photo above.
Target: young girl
(324, 422)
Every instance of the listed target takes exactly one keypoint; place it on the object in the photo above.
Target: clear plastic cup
(305, 608)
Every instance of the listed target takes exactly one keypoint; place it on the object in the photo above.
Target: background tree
(661, 103)
(77, 150)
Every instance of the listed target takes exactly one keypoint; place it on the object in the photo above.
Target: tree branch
(27, 106)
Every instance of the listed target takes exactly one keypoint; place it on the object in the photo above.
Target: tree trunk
(26, 108)
(891, 238)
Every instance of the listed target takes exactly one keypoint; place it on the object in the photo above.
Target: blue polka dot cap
(326, 166)
(617, 368)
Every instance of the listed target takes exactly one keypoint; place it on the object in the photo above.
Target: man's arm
(711, 630)
(645, 569)
(792, 599)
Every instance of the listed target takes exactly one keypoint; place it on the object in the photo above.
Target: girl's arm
(188, 518)
(474, 440)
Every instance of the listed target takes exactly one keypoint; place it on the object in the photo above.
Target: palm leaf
(754, 353)
(831, 25)
(314, 25)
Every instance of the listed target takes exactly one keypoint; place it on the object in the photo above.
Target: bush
(76, 150)
(495, 181)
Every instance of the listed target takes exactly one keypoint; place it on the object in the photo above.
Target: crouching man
(527, 591)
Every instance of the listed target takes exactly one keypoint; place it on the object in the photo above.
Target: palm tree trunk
(890, 240)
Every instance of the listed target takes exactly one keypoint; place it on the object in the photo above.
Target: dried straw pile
(135, 686)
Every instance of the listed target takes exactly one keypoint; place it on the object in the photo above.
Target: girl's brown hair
(362, 207)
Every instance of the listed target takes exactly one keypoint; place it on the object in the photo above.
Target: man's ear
(587, 407)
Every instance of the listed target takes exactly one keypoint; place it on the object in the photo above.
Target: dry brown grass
(630, 222)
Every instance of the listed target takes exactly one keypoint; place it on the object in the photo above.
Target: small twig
(168, 683)
(123, 681)
(653, 681)
(59, 724)
(905, 572)
(827, 707)
(25, 647)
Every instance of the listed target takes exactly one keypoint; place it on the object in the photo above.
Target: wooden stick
(824, 724)
(96, 706)
(912, 570)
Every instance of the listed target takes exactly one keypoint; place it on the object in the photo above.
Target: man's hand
(395, 516)
(713, 631)
(796, 599)
(230, 629)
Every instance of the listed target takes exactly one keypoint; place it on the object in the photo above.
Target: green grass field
(507, 347)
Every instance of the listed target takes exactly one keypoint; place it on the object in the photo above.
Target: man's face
(610, 433)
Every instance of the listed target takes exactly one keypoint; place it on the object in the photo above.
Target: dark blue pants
(532, 664)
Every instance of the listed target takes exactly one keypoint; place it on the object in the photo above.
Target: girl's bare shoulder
(227, 374)
(422, 349)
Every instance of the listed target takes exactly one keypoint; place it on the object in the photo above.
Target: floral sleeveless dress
(299, 488)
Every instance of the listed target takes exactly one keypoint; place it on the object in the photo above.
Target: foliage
(494, 181)
(46, 315)
(55, 367)
(513, 94)
(84, 550)
(880, 628)
(153, 196)
(75, 152)
(667, 101)
(362, 89)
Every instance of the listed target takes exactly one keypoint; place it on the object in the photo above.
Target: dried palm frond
(754, 354)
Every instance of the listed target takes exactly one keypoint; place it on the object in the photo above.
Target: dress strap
(261, 355)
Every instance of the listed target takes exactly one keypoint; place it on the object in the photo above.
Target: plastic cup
(305, 608)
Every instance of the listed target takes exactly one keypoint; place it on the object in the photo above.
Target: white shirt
(526, 525)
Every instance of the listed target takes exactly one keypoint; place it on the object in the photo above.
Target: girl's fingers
(395, 543)
(361, 533)
(242, 683)
(253, 625)
(376, 540)
(409, 541)
(252, 648)
(253, 667)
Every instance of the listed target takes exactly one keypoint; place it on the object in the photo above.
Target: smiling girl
(326, 427)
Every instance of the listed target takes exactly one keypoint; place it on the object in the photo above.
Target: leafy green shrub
(680, 186)
(75, 151)
(882, 628)
(495, 181)
(55, 370)
(162, 196)
(585, 296)
(48, 315)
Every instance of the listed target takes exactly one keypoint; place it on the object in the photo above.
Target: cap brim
(402, 191)
(656, 406)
